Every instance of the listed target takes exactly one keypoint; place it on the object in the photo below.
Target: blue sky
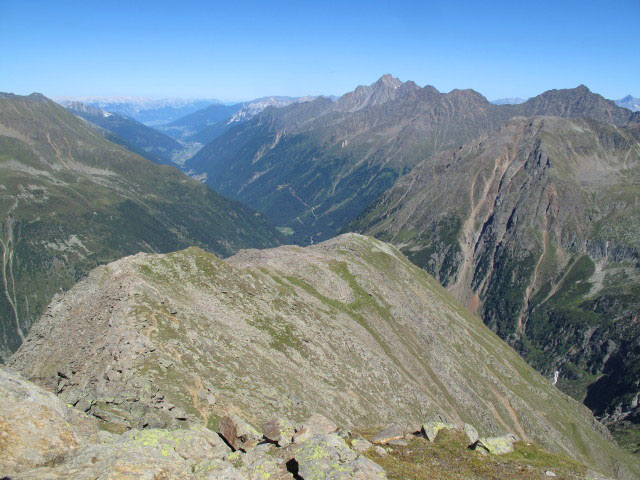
(239, 49)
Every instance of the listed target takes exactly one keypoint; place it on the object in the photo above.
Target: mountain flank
(312, 167)
(135, 136)
(71, 200)
(536, 228)
(349, 329)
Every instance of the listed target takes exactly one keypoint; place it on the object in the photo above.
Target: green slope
(71, 200)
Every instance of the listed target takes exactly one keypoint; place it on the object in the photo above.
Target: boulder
(314, 425)
(393, 432)
(266, 468)
(152, 453)
(472, 433)
(279, 431)
(380, 451)
(431, 429)
(361, 445)
(497, 445)
(238, 433)
(36, 426)
(327, 457)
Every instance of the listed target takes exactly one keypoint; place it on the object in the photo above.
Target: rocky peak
(385, 89)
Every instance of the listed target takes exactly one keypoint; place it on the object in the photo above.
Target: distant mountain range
(509, 101)
(204, 125)
(135, 136)
(71, 200)
(312, 167)
(632, 103)
(145, 110)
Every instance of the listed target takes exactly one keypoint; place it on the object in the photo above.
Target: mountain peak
(38, 97)
(388, 80)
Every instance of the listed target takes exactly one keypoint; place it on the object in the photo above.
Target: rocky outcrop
(36, 427)
(497, 445)
(238, 433)
(327, 456)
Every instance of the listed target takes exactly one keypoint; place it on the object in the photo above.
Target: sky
(240, 50)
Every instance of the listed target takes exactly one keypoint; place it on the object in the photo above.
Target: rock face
(535, 228)
(36, 426)
(348, 328)
(280, 431)
(71, 200)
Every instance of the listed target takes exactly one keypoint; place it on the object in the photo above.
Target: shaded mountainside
(203, 125)
(313, 167)
(71, 200)
(146, 141)
(536, 228)
(348, 328)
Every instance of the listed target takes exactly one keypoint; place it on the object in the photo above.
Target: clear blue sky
(239, 49)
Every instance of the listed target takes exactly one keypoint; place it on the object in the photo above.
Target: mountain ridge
(311, 168)
(175, 330)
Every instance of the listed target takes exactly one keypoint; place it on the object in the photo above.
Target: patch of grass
(286, 231)
(448, 457)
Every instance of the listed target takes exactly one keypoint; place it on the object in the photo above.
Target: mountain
(209, 123)
(145, 110)
(146, 141)
(509, 101)
(71, 200)
(203, 125)
(535, 228)
(312, 167)
(629, 102)
(349, 329)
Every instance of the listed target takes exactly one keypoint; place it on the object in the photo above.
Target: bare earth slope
(348, 328)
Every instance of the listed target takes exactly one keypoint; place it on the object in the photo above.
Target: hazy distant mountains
(133, 135)
(145, 110)
(632, 103)
(208, 123)
(629, 102)
(509, 101)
